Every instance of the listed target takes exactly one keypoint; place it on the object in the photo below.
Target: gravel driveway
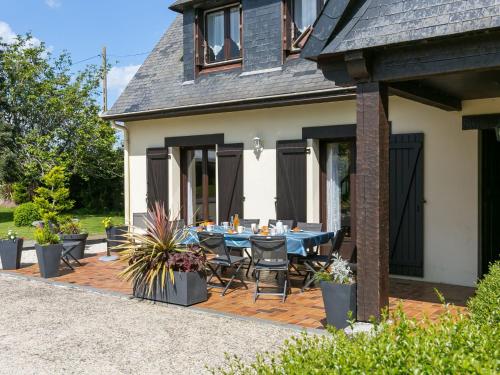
(49, 329)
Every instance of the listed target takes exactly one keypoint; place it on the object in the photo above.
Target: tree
(49, 116)
(53, 197)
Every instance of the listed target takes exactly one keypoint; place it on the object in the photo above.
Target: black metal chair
(179, 224)
(310, 227)
(315, 263)
(214, 243)
(269, 253)
(247, 223)
(272, 223)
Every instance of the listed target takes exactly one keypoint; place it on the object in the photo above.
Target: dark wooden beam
(329, 132)
(357, 66)
(443, 56)
(475, 122)
(421, 93)
(195, 140)
(372, 199)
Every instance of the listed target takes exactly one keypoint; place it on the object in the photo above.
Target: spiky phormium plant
(158, 252)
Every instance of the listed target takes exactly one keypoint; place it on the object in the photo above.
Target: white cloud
(53, 3)
(120, 76)
(7, 35)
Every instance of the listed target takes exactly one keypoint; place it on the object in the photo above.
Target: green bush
(20, 193)
(44, 236)
(454, 344)
(25, 214)
(485, 305)
(71, 227)
(53, 197)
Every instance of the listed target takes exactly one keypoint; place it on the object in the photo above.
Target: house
(374, 115)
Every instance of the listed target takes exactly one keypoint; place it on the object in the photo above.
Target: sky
(83, 27)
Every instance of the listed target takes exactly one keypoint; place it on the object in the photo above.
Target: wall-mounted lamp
(258, 146)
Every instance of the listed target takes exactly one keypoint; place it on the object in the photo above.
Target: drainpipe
(122, 127)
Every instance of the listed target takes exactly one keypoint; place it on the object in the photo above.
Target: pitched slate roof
(327, 22)
(386, 22)
(178, 5)
(158, 84)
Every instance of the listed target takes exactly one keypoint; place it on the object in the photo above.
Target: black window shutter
(230, 180)
(157, 176)
(291, 184)
(406, 204)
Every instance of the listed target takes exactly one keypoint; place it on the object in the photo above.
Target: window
(223, 35)
(301, 15)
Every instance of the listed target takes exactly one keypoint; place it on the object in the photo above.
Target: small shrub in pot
(11, 248)
(160, 267)
(116, 235)
(48, 251)
(71, 230)
(339, 293)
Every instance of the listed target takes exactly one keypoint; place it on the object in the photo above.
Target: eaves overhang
(309, 97)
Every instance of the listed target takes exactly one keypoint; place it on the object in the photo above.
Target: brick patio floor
(304, 309)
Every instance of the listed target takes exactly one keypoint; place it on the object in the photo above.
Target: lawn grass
(92, 223)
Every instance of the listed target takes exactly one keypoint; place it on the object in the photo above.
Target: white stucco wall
(450, 190)
(450, 169)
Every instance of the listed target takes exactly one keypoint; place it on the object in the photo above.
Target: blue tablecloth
(297, 242)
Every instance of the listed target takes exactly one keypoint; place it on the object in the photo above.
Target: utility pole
(104, 80)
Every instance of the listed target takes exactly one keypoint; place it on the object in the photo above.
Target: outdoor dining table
(297, 243)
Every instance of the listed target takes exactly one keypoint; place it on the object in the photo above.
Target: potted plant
(48, 251)
(160, 267)
(71, 230)
(11, 248)
(115, 235)
(339, 293)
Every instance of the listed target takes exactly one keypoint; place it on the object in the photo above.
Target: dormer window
(222, 35)
(299, 18)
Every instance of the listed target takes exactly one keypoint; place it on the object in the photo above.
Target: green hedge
(485, 306)
(25, 214)
(455, 344)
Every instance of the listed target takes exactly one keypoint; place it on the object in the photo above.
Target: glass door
(337, 186)
(198, 198)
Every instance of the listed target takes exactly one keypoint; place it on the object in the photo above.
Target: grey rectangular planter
(49, 258)
(78, 251)
(116, 236)
(339, 299)
(189, 288)
(10, 253)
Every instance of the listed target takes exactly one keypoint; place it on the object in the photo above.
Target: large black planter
(49, 258)
(189, 288)
(78, 251)
(116, 236)
(10, 253)
(339, 299)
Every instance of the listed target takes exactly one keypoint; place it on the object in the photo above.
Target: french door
(337, 187)
(198, 184)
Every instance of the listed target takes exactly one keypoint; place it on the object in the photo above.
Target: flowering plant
(340, 272)
(107, 222)
(11, 235)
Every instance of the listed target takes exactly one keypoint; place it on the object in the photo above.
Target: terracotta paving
(304, 309)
